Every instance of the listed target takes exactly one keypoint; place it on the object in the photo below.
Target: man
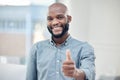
(62, 57)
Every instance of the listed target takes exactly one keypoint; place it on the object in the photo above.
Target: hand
(68, 66)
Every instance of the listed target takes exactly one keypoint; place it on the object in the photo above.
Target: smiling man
(61, 57)
(58, 22)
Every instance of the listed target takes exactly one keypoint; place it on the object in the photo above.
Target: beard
(65, 29)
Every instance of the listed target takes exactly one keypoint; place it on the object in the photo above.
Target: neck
(59, 41)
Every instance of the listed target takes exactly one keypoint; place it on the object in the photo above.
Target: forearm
(79, 74)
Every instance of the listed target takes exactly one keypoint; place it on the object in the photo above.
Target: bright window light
(14, 2)
(26, 2)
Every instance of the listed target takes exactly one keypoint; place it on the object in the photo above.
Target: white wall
(98, 22)
(104, 34)
(80, 18)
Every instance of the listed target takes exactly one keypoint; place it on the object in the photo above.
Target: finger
(68, 71)
(68, 62)
(68, 67)
(69, 74)
(68, 55)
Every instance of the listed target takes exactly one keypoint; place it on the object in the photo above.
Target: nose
(55, 22)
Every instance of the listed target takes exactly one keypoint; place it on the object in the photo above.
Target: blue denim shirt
(45, 60)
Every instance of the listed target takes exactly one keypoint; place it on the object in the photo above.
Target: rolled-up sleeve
(31, 73)
(87, 61)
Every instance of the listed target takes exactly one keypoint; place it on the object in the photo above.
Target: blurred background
(23, 23)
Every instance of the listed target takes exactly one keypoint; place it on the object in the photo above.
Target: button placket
(57, 64)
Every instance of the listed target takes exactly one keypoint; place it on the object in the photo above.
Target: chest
(48, 56)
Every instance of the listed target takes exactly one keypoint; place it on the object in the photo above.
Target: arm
(31, 65)
(86, 70)
(87, 62)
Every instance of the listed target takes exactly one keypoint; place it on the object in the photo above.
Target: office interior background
(23, 23)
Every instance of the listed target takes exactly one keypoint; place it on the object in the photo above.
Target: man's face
(57, 20)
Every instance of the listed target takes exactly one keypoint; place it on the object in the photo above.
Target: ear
(69, 18)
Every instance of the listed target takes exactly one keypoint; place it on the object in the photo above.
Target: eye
(49, 18)
(60, 17)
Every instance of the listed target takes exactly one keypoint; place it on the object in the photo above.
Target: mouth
(57, 30)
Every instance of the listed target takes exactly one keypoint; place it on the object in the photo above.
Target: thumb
(68, 55)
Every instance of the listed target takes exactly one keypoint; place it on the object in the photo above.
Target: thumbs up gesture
(68, 66)
(68, 55)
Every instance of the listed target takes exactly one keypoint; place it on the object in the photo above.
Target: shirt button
(57, 72)
(58, 61)
(58, 50)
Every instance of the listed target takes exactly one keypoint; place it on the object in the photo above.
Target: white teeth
(57, 28)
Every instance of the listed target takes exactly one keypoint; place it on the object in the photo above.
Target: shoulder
(40, 44)
(83, 44)
(76, 42)
(87, 46)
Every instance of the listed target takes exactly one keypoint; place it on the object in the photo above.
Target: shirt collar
(64, 43)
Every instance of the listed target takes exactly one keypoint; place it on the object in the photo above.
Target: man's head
(58, 20)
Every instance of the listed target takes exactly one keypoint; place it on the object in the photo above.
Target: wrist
(79, 74)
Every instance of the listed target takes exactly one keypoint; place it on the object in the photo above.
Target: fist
(68, 66)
